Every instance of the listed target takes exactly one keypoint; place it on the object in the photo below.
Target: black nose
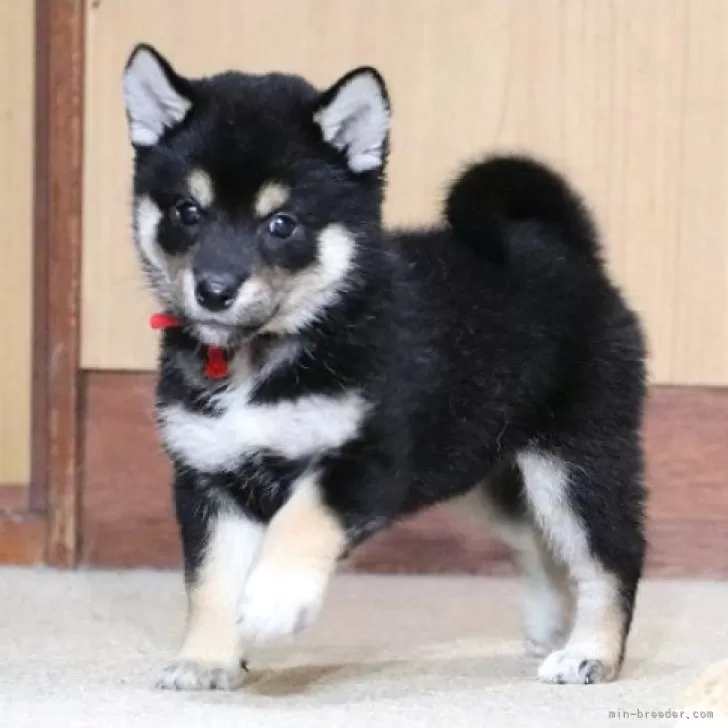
(216, 292)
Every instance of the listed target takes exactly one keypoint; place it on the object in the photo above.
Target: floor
(83, 649)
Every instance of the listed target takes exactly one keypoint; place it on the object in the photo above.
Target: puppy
(321, 377)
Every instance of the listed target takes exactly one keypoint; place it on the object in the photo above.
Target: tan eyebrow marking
(200, 185)
(270, 197)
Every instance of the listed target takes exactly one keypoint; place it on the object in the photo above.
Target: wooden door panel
(630, 97)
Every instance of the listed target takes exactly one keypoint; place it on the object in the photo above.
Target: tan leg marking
(547, 602)
(211, 651)
(299, 555)
(593, 649)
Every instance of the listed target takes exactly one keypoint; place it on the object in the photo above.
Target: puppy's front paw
(194, 675)
(576, 667)
(280, 602)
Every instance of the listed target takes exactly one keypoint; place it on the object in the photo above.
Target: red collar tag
(216, 364)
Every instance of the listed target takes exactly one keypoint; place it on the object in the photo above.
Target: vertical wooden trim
(57, 268)
(39, 439)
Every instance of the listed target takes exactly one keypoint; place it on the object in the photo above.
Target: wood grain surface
(630, 97)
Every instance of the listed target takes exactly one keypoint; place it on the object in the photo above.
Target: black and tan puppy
(360, 375)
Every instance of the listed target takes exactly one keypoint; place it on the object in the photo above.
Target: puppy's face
(253, 195)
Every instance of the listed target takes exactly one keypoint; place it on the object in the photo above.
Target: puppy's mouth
(227, 335)
(213, 333)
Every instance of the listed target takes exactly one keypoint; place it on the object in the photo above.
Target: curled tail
(504, 190)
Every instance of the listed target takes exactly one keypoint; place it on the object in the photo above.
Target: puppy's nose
(216, 292)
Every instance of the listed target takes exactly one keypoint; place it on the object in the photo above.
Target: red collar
(216, 364)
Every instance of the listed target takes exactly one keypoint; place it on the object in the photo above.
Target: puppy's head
(253, 195)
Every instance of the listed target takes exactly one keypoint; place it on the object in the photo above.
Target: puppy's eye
(282, 226)
(188, 212)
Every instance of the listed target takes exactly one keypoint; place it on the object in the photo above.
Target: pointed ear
(156, 98)
(354, 118)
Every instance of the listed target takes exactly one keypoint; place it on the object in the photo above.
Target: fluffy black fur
(496, 332)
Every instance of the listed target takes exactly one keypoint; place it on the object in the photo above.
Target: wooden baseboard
(22, 534)
(127, 513)
(13, 497)
(22, 538)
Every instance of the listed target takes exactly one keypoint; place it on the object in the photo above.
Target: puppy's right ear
(156, 98)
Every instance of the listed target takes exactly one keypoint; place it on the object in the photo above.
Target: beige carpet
(83, 649)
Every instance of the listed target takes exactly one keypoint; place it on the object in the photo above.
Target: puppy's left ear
(354, 118)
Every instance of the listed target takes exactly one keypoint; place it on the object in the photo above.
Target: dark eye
(282, 226)
(188, 212)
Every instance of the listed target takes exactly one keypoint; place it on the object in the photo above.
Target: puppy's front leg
(219, 544)
(299, 554)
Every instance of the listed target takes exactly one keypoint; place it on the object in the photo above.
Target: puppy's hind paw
(192, 675)
(576, 668)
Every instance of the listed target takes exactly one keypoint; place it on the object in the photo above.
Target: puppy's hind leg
(547, 599)
(590, 513)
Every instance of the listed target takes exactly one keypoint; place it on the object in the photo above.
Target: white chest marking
(292, 429)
